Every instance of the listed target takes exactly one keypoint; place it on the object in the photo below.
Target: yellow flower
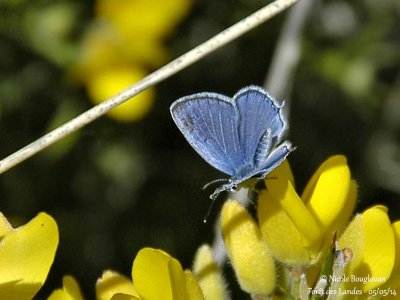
(156, 275)
(208, 275)
(26, 255)
(308, 222)
(102, 49)
(107, 84)
(107, 66)
(371, 238)
(124, 43)
(150, 19)
(69, 291)
(249, 254)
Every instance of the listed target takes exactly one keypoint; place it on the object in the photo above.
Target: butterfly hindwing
(259, 113)
(275, 158)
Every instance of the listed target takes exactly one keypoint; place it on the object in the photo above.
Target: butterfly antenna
(213, 197)
(214, 181)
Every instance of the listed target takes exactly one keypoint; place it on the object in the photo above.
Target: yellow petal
(124, 297)
(394, 281)
(112, 283)
(354, 238)
(112, 81)
(253, 264)
(100, 50)
(340, 224)
(103, 48)
(329, 163)
(379, 244)
(282, 172)
(326, 195)
(26, 255)
(157, 275)
(60, 294)
(143, 19)
(193, 287)
(209, 276)
(5, 226)
(69, 291)
(282, 213)
(371, 240)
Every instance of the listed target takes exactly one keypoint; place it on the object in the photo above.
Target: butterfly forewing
(209, 123)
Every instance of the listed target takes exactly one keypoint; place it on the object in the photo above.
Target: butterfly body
(241, 136)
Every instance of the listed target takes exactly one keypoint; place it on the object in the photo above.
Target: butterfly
(242, 136)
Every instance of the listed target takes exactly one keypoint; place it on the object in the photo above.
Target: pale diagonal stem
(287, 53)
(168, 70)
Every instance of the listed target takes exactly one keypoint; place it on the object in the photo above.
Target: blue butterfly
(241, 136)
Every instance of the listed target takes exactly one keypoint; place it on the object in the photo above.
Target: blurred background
(129, 179)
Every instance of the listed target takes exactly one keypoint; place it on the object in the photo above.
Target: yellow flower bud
(193, 287)
(208, 275)
(250, 257)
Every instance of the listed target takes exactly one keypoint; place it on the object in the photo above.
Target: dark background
(117, 187)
